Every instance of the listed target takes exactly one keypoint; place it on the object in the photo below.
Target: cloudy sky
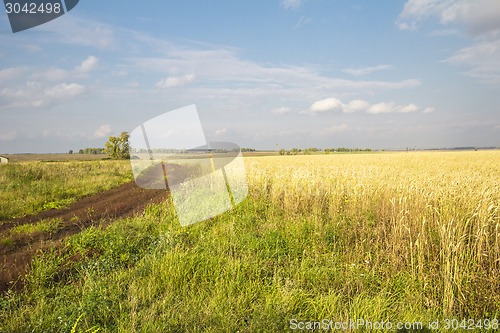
(265, 74)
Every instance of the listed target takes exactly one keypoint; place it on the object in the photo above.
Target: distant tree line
(309, 151)
(117, 147)
(345, 150)
(90, 151)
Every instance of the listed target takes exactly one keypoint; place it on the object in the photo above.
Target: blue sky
(263, 74)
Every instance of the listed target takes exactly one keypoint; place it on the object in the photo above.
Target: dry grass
(432, 213)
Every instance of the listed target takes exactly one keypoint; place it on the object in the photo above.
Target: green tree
(70, 151)
(118, 147)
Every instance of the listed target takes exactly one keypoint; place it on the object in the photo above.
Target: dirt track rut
(125, 200)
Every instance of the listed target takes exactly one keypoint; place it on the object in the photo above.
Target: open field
(400, 237)
(31, 187)
(16, 158)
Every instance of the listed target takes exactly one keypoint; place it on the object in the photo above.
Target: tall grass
(393, 237)
(30, 187)
(433, 215)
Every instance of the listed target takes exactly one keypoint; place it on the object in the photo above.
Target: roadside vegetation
(401, 237)
(30, 187)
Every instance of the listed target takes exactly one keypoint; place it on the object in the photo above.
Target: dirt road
(16, 251)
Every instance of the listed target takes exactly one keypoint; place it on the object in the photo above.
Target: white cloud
(359, 105)
(478, 16)
(87, 65)
(483, 58)
(221, 73)
(428, 110)
(324, 105)
(365, 70)
(221, 132)
(356, 106)
(103, 131)
(444, 33)
(175, 81)
(34, 95)
(51, 74)
(282, 110)
(32, 48)
(20, 98)
(408, 108)
(382, 108)
(391, 107)
(65, 90)
(58, 74)
(11, 73)
(291, 4)
(407, 26)
(78, 31)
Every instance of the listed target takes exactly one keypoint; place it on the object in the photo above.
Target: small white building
(4, 159)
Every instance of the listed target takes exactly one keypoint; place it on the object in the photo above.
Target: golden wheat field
(433, 214)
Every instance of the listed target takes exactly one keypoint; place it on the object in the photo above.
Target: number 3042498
(33, 8)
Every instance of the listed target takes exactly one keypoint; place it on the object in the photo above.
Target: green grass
(226, 275)
(31, 187)
(400, 238)
(43, 226)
